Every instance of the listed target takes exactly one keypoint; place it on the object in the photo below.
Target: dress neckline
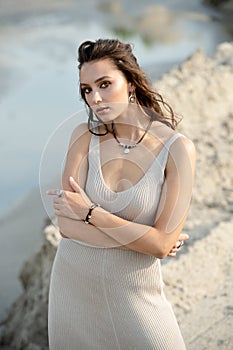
(165, 147)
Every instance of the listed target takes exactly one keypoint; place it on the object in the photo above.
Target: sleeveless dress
(109, 298)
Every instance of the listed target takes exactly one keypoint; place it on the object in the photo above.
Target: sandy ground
(199, 285)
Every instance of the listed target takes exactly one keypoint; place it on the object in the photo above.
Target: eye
(105, 84)
(86, 90)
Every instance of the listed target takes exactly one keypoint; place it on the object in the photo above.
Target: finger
(175, 250)
(58, 200)
(57, 206)
(74, 184)
(57, 212)
(172, 254)
(183, 237)
(179, 245)
(52, 192)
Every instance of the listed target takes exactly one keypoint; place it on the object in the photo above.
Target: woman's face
(105, 88)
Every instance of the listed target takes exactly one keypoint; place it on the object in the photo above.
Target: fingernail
(71, 178)
(47, 192)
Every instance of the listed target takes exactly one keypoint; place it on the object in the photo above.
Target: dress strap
(163, 155)
(93, 154)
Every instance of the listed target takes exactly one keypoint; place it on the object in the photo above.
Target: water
(39, 88)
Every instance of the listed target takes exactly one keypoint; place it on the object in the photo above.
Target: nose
(96, 97)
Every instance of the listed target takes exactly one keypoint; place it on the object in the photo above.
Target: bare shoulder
(184, 145)
(79, 142)
(182, 156)
(161, 131)
(164, 133)
(76, 159)
(80, 132)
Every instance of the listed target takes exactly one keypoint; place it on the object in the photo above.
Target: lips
(102, 110)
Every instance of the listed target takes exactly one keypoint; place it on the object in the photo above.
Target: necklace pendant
(126, 150)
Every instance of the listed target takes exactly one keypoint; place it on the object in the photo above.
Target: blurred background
(39, 89)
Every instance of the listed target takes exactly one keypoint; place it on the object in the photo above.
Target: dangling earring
(131, 97)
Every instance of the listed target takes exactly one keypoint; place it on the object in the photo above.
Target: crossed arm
(110, 230)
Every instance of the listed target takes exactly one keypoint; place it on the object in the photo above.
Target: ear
(131, 86)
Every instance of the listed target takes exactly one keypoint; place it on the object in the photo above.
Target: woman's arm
(172, 211)
(92, 235)
(77, 167)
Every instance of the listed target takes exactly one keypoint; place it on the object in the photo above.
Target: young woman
(125, 196)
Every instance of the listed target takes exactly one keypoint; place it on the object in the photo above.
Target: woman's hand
(177, 247)
(73, 205)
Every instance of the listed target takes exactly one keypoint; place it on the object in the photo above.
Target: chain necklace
(127, 148)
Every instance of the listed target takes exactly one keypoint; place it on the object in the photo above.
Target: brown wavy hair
(122, 56)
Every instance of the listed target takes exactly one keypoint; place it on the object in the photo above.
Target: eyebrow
(97, 80)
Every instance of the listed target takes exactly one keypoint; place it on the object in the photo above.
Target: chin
(109, 113)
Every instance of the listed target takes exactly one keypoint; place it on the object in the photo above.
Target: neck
(127, 146)
(131, 126)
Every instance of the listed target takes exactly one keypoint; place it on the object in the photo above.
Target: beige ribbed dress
(108, 298)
